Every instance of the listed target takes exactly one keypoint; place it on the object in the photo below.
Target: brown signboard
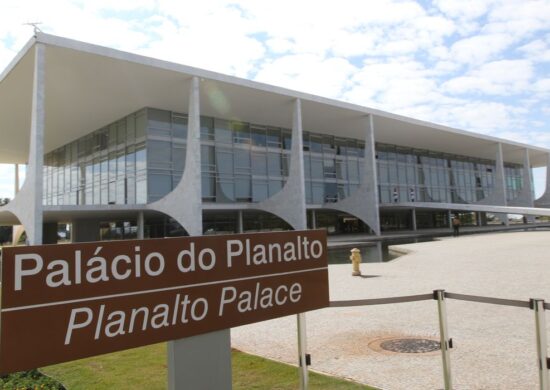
(65, 302)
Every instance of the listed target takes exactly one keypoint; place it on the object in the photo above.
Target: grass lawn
(145, 368)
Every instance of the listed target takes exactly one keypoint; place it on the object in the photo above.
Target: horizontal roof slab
(88, 87)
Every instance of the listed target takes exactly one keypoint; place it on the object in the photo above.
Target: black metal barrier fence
(537, 305)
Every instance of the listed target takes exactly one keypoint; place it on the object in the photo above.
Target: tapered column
(544, 200)
(525, 196)
(184, 203)
(198, 362)
(363, 203)
(16, 184)
(290, 203)
(36, 151)
(498, 197)
(27, 205)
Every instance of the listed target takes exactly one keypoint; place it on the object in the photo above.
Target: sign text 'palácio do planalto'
(65, 302)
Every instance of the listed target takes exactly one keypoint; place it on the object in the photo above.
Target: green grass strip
(145, 368)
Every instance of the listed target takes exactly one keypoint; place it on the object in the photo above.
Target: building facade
(146, 148)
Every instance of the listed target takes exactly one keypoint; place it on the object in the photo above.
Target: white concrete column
(16, 184)
(527, 179)
(198, 362)
(290, 203)
(500, 178)
(363, 203)
(450, 218)
(27, 205)
(544, 200)
(525, 196)
(140, 226)
(499, 195)
(184, 203)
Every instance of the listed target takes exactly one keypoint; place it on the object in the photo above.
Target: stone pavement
(494, 345)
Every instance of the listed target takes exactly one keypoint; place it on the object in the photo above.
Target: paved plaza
(494, 346)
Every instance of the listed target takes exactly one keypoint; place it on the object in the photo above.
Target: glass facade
(242, 162)
(332, 167)
(108, 166)
(409, 175)
(140, 158)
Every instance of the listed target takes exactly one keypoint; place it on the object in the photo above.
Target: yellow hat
(355, 250)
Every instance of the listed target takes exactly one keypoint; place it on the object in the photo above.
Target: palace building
(121, 146)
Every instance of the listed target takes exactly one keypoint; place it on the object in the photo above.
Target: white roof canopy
(88, 87)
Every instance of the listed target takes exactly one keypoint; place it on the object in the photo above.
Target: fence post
(439, 295)
(540, 324)
(302, 350)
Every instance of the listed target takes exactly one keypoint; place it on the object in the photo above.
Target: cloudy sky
(479, 65)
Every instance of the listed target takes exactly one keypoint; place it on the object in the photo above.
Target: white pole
(542, 353)
(444, 338)
(302, 348)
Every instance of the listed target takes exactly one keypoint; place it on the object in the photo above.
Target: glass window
(241, 133)
(274, 138)
(259, 164)
(159, 122)
(141, 125)
(141, 158)
(275, 186)
(159, 185)
(287, 139)
(179, 124)
(207, 128)
(316, 168)
(222, 131)
(259, 136)
(243, 188)
(225, 191)
(259, 190)
(121, 132)
(208, 158)
(331, 192)
(130, 130)
(329, 168)
(178, 156)
(353, 170)
(242, 160)
(274, 164)
(317, 193)
(208, 186)
(224, 161)
(141, 191)
(315, 144)
(159, 154)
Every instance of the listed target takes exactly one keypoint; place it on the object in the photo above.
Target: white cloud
(537, 50)
(474, 64)
(480, 48)
(308, 73)
(494, 78)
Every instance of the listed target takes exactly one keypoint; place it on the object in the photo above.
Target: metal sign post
(302, 349)
(540, 324)
(444, 338)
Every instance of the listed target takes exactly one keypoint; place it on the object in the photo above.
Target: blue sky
(477, 65)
